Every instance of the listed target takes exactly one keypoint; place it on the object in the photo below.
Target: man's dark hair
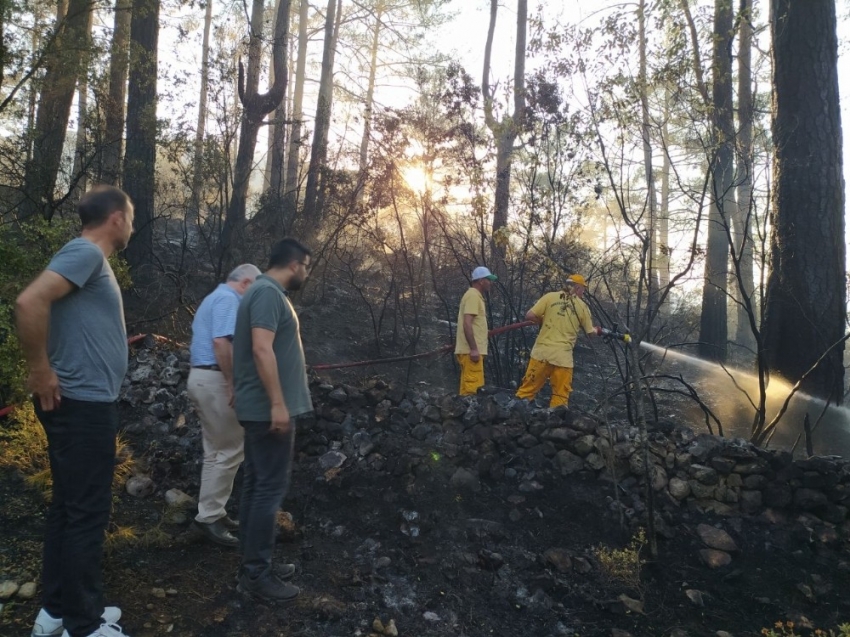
(286, 251)
(101, 201)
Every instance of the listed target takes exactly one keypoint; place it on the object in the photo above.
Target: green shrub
(25, 250)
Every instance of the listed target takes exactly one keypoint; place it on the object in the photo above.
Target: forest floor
(414, 550)
(553, 561)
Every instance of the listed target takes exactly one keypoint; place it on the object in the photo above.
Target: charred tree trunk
(140, 160)
(319, 148)
(649, 172)
(505, 131)
(293, 159)
(200, 129)
(255, 106)
(277, 153)
(370, 89)
(115, 108)
(713, 320)
(82, 158)
(745, 335)
(64, 65)
(806, 298)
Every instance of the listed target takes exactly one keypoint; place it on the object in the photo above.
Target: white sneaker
(105, 630)
(48, 626)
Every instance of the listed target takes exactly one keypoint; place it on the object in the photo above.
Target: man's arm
(531, 316)
(469, 335)
(223, 350)
(32, 316)
(266, 362)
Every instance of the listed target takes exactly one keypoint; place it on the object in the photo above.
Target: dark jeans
(81, 446)
(265, 480)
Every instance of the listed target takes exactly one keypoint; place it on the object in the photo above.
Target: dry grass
(24, 449)
(623, 566)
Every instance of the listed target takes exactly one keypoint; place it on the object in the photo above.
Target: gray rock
(527, 441)
(141, 373)
(466, 480)
(27, 590)
(695, 596)
(159, 410)
(715, 559)
(7, 589)
(778, 496)
(704, 446)
(568, 463)
(751, 501)
(701, 491)
(722, 465)
(332, 460)
(716, 538)
(809, 499)
(659, 478)
(338, 396)
(584, 445)
(703, 474)
(559, 558)
(679, 488)
(177, 498)
(170, 376)
(595, 461)
(140, 486)
(559, 434)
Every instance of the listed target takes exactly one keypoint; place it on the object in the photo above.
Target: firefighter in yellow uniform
(471, 339)
(561, 316)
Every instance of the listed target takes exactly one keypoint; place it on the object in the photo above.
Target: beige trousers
(223, 439)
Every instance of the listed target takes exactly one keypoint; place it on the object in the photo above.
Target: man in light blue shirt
(210, 388)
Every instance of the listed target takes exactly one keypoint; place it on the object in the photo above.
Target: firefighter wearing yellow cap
(561, 316)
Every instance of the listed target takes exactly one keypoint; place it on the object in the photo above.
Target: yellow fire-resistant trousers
(536, 375)
(471, 374)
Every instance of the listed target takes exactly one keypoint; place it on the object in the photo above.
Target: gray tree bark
(115, 107)
(713, 335)
(805, 302)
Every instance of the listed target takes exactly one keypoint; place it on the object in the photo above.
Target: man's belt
(214, 368)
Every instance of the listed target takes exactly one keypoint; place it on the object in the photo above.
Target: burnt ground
(437, 559)
(440, 560)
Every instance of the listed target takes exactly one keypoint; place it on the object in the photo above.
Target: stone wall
(385, 428)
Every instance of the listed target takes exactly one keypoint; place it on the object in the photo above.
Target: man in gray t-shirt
(271, 390)
(70, 324)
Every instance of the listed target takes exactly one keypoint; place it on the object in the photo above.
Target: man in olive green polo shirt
(271, 390)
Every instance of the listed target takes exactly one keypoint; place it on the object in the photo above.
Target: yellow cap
(577, 279)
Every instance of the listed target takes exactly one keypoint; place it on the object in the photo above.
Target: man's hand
(231, 396)
(280, 420)
(474, 355)
(44, 384)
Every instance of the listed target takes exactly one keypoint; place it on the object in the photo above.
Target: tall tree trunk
(652, 283)
(200, 129)
(255, 106)
(293, 158)
(326, 124)
(277, 149)
(115, 108)
(745, 336)
(662, 262)
(319, 148)
(82, 160)
(140, 160)
(506, 131)
(713, 320)
(806, 298)
(370, 89)
(63, 67)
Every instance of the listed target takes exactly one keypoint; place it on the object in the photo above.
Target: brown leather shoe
(216, 532)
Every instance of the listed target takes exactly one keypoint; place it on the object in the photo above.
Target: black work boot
(216, 532)
(269, 588)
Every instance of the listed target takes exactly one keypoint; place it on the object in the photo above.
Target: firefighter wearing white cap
(471, 339)
(561, 316)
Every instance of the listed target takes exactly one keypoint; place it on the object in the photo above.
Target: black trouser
(81, 446)
(265, 480)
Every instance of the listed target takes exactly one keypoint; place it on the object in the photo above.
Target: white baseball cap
(483, 273)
